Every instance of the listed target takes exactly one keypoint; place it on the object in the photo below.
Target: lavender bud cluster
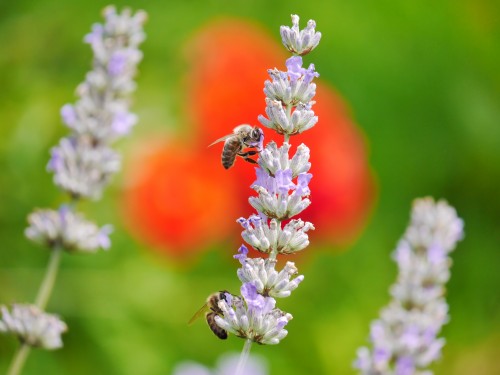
(404, 338)
(282, 193)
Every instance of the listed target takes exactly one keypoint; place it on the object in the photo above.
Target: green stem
(19, 359)
(41, 301)
(50, 277)
(245, 353)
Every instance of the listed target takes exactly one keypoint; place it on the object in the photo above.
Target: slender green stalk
(19, 359)
(49, 279)
(245, 353)
(42, 298)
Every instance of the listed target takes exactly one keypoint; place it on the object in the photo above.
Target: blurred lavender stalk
(83, 164)
(404, 338)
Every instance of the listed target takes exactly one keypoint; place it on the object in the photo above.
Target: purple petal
(303, 180)
(68, 115)
(117, 63)
(295, 69)
(436, 254)
(242, 256)
(283, 180)
(404, 366)
(122, 122)
(309, 74)
(56, 161)
(95, 36)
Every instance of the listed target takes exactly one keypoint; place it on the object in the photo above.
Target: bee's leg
(251, 161)
(248, 153)
(246, 156)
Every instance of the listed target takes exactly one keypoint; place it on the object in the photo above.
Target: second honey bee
(211, 309)
(243, 136)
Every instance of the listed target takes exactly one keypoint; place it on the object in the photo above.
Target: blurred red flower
(180, 199)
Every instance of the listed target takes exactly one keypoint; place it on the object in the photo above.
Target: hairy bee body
(231, 148)
(211, 309)
(243, 136)
(218, 331)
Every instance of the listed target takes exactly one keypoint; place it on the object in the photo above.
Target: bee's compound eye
(256, 134)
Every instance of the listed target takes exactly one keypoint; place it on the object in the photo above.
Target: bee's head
(222, 295)
(256, 134)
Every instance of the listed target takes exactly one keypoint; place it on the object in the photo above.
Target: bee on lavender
(211, 309)
(243, 136)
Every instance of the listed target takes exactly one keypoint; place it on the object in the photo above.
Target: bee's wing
(220, 139)
(201, 312)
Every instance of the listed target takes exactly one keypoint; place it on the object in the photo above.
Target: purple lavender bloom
(264, 180)
(283, 181)
(404, 366)
(68, 115)
(295, 69)
(56, 161)
(117, 63)
(303, 180)
(242, 253)
(95, 36)
(310, 74)
(256, 303)
(123, 122)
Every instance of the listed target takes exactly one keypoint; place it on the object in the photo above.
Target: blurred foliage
(422, 80)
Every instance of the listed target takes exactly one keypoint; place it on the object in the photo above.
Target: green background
(422, 79)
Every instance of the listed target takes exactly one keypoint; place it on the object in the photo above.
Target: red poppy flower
(181, 198)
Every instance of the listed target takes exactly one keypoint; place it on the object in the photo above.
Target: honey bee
(211, 309)
(243, 136)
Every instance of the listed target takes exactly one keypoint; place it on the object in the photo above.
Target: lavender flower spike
(253, 317)
(83, 163)
(405, 337)
(300, 42)
(32, 326)
(282, 187)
